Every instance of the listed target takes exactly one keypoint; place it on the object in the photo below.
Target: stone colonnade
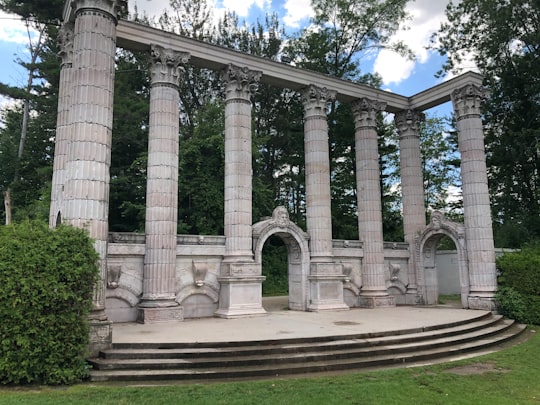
(81, 179)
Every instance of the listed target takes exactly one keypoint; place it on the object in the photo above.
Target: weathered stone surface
(160, 271)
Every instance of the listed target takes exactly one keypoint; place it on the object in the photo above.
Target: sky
(399, 75)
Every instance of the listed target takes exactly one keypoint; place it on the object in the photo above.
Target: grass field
(511, 376)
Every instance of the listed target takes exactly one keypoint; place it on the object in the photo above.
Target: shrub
(518, 295)
(47, 278)
(511, 304)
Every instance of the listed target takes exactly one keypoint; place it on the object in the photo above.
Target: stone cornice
(166, 65)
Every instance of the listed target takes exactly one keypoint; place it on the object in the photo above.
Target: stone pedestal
(326, 287)
(240, 294)
(100, 337)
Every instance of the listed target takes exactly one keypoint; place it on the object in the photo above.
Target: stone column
(326, 277)
(412, 188)
(241, 280)
(368, 191)
(159, 281)
(90, 130)
(65, 43)
(476, 207)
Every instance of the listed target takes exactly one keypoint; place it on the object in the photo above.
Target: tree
(343, 30)
(508, 59)
(32, 136)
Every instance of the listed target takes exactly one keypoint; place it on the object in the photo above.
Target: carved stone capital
(408, 120)
(467, 100)
(65, 44)
(315, 97)
(241, 81)
(111, 7)
(365, 111)
(166, 65)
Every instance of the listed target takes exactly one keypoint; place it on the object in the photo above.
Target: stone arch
(198, 301)
(121, 305)
(426, 250)
(296, 241)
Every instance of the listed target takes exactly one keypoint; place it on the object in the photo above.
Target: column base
(326, 293)
(100, 337)
(376, 301)
(240, 296)
(484, 303)
(160, 314)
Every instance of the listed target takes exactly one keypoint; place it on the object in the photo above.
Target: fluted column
(326, 277)
(412, 185)
(65, 44)
(159, 280)
(476, 207)
(241, 84)
(87, 167)
(241, 279)
(317, 157)
(368, 191)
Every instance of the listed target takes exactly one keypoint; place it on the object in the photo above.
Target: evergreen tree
(508, 58)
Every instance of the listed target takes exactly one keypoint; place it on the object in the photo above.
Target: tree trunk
(7, 205)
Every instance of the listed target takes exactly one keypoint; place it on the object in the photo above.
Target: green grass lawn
(514, 378)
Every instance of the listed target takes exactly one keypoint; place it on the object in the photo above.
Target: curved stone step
(309, 357)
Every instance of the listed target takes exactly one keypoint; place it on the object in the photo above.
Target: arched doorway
(296, 242)
(426, 252)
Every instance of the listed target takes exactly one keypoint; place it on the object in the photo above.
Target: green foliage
(274, 267)
(511, 304)
(519, 284)
(508, 60)
(47, 278)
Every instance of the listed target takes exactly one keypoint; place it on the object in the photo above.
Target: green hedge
(518, 296)
(47, 278)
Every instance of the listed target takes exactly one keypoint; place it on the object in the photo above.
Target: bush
(511, 304)
(47, 278)
(518, 295)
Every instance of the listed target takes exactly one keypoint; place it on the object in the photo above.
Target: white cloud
(297, 10)
(13, 29)
(427, 16)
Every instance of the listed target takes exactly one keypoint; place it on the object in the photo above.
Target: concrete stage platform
(281, 324)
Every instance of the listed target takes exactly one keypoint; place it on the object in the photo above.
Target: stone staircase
(274, 358)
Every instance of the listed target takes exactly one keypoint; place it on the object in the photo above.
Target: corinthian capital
(166, 64)
(314, 97)
(111, 7)
(65, 43)
(365, 111)
(467, 100)
(408, 120)
(241, 81)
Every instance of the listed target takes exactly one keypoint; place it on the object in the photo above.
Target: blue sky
(399, 75)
